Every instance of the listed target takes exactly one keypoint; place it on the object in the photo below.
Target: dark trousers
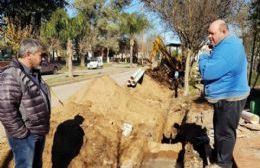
(27, 151)
(225, 121)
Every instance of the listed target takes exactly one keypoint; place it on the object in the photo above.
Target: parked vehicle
(5, 57)
(95, 62)
(47, 67)
(4, 63)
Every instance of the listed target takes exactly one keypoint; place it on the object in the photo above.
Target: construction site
(140, 123)
(126, 82)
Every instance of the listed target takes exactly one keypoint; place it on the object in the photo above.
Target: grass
(61, 80)
(107, 64)
(78, 76)
(65, 69)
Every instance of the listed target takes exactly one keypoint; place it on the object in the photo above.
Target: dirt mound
(89, 130)
(105, 125)
(80, 138)
(152, 90)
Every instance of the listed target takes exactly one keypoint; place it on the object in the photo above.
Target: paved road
(105, 70)
(63, 92)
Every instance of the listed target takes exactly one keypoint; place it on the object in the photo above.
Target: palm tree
(132, 25)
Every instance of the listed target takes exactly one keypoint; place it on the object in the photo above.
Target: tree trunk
(252, 58)
(82, 60)
(108, 55)
(142, 49)
(102, 52)
(53, 54)
(187, 72)
(131, 51)
(69, 56)
(124, 55)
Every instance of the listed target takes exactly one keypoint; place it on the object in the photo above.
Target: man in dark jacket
(25, 105)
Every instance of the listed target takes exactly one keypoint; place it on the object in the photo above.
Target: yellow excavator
(175, 63)
(172, 66)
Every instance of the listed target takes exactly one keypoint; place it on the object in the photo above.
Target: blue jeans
(27, 151)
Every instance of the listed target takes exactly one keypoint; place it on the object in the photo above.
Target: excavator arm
(159, 47)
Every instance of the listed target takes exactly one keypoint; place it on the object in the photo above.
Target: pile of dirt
(105, 125)
(151, 90)
(81, 138)
(166, 75)
(117, 103)
(161, 74)
(89, 131)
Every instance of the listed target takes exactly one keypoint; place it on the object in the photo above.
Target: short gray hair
(29, 45)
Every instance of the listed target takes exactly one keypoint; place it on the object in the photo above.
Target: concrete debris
(127, 129)
(250, 117)
(253, 127)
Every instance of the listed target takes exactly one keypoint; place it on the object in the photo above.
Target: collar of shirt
(31, 72)
(26, 69)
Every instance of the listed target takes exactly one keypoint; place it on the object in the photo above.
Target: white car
(95, 62)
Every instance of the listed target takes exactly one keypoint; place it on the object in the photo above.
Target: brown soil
(247, 150)
(89, 130)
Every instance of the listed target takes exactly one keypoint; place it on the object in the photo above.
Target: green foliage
(119, 4)
(29, 12)
(102, 23)
(92, 13)
(60, 27)
(20, 19)
(255, 14)
(133, 23)
(98, 23)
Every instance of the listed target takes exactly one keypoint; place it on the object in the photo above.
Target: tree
(91, 11)
(190, 20)
(110, 38)
(100, 25)
(14, 36)
(131, 25)
(120, 4)
(51, 32)
(255, 28)
(20, 19)
(63, 29)
(109, 27)
(81, 38)
(28, 13)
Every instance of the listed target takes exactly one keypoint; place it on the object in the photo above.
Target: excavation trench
(106, 125)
